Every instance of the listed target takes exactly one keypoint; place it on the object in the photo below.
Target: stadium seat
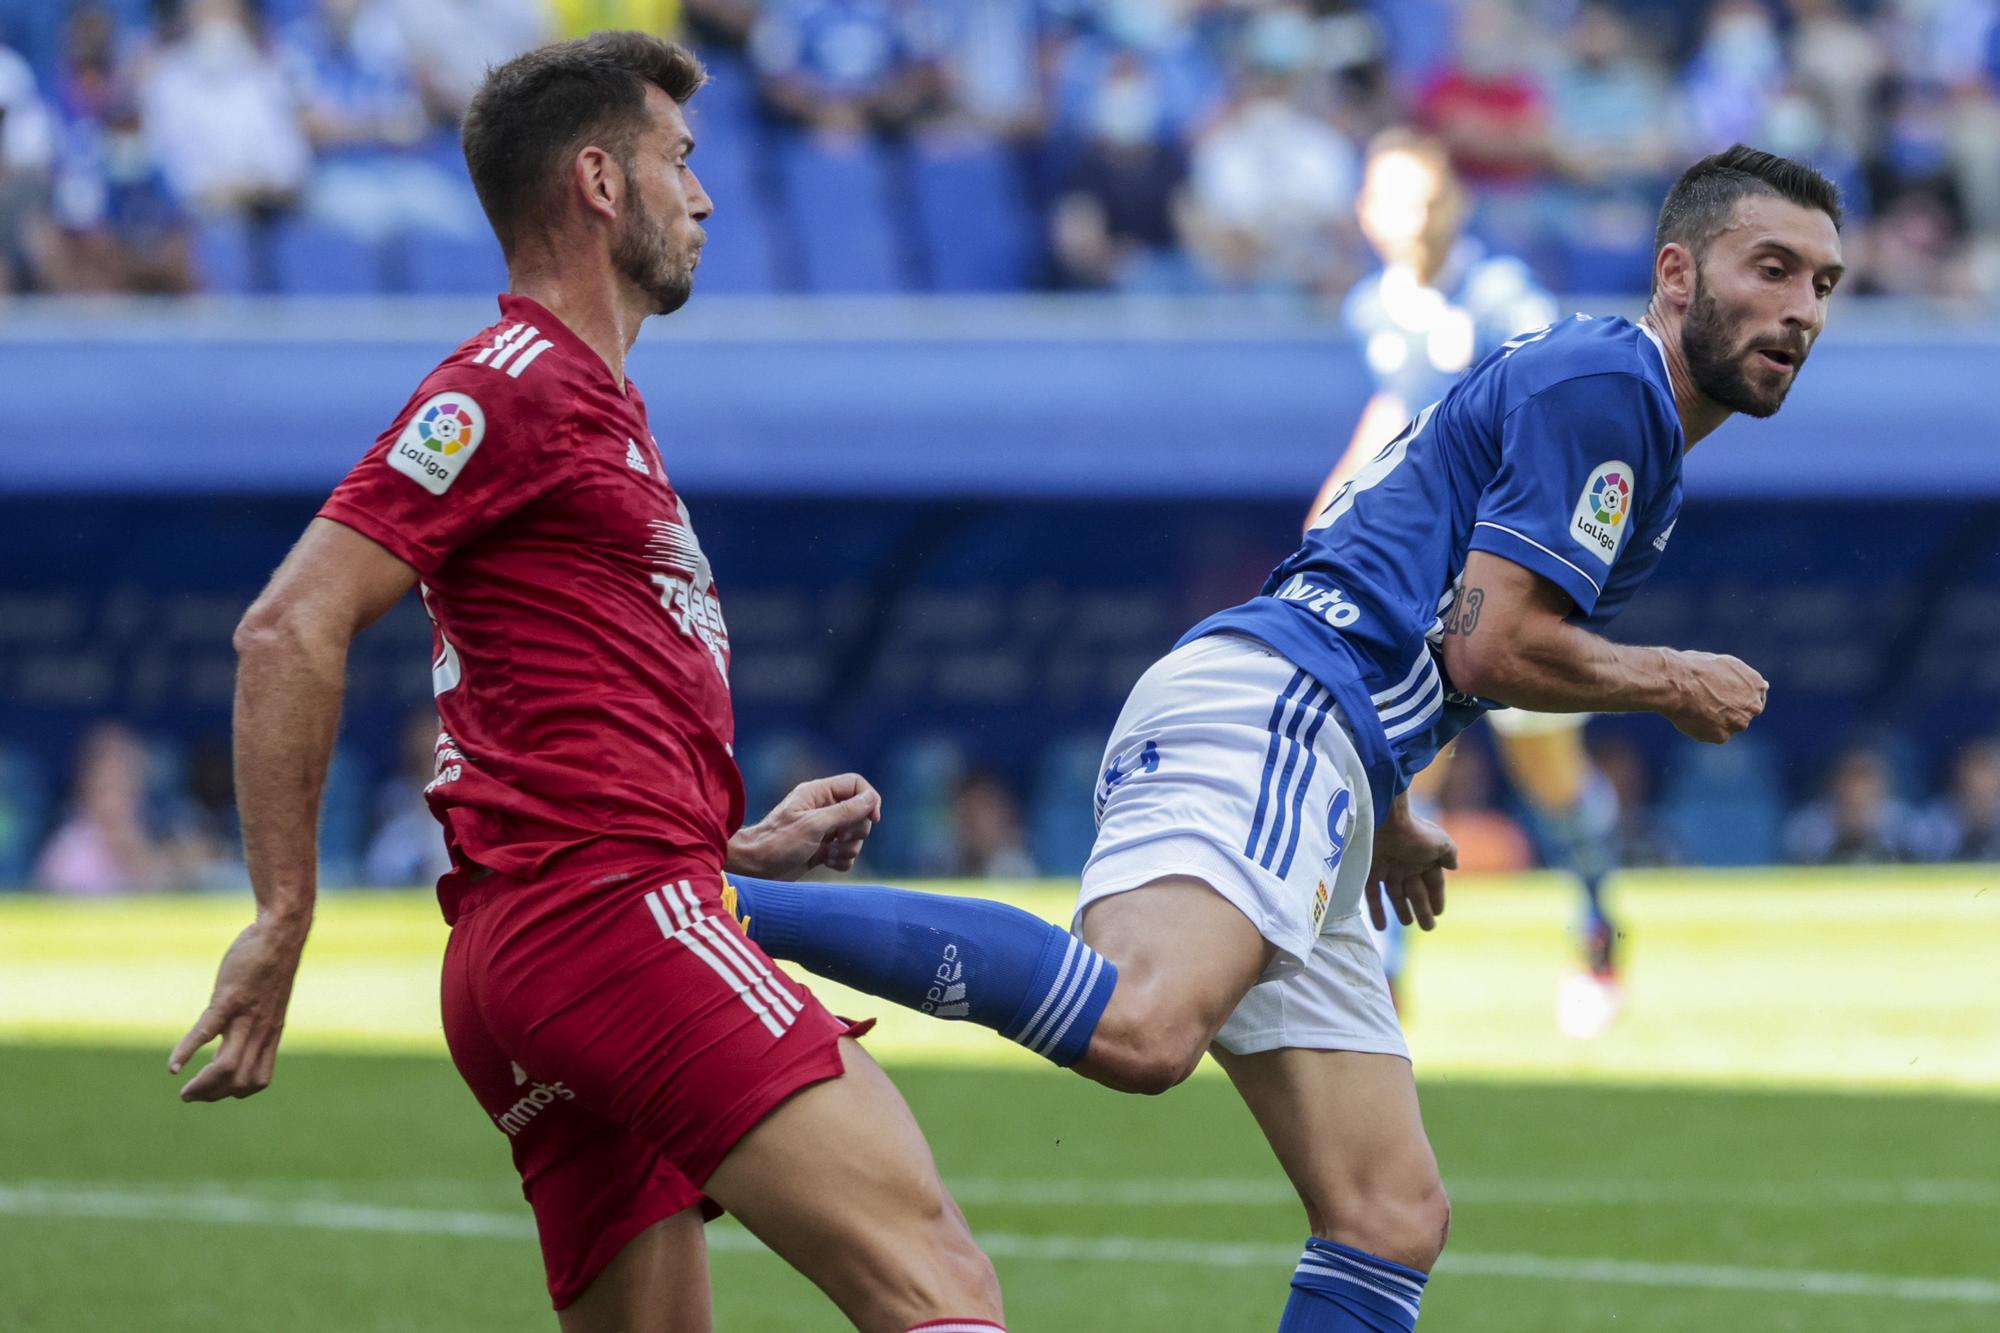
(316, 260)
(343, 819)
(1723, 805)
(836, 195)
(441, 265)
(972, 215)
(223, 256)
(24, 813)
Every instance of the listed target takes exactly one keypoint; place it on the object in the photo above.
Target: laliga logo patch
(1339, 827)
(1598, 522)
(441, 437)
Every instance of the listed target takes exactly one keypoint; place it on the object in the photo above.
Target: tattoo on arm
(1464, 616)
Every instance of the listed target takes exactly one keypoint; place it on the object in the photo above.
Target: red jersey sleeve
(469, 449)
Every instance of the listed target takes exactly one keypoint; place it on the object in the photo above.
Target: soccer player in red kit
(646, 1062)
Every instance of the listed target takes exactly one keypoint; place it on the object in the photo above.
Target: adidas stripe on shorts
(1232, 766)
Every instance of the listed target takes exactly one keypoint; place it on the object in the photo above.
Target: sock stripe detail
(1374, 1265)
(1032, 1030)
(958, 1326)
(1323, 1273)
(1390, 1283)
(1075, 1010)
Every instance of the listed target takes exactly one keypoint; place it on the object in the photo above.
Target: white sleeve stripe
(514, 345)
(1499, 527)
(527, 358)
(1429, 709)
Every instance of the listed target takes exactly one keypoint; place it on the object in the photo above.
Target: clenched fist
(1719, 696)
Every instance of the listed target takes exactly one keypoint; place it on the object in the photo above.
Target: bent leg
(1186, 957)
(840, 1183)
(1346, 1129)
(657, 1284)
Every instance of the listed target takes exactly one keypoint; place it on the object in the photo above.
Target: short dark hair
(538, 109)
(1704, 198)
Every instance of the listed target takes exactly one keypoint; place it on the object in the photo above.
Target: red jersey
(579, 655)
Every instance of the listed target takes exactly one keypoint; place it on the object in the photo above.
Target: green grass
(1765, 1180)
(1794, 1128)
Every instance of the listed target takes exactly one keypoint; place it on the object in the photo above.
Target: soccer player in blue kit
(1254, 788)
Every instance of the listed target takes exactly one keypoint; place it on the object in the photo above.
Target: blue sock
(1339, 1289)
(951, 957)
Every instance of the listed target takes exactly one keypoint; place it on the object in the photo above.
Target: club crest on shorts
(1339, 827)
(1129, 763)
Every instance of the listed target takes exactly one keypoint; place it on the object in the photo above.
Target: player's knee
(1143, 1046)
(939, 1273)
(1405, 1222)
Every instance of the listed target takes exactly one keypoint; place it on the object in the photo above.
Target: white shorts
(1232, 766)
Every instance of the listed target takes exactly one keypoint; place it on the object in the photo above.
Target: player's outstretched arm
(1506, 638)
(291, 657)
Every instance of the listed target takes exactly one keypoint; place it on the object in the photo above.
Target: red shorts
(623, 1036)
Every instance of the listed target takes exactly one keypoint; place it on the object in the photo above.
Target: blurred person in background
(1858, 822)
(206, 835)
(1734, 76)
(986, 820)
(27, 142)
(1964, 825)
(1113, 223)
(219, 115)
(106, 843)
(119, 226)
(350, 73)
(1270, 197)
(452, 43)
(1613, 138)
(1641, 840)
(990, 64)
(407, 847)
(1439, 305)
(1488, 105)
(1489, 843)
(1184, 71)
(845, 67)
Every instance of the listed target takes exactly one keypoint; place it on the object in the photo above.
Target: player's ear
(599, 180)
(1674, 274)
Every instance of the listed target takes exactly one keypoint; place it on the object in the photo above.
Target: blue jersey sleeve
(1576, 460)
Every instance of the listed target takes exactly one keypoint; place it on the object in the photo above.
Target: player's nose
(700, 207)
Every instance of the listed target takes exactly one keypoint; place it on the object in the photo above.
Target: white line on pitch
(1263, 1192)
(237, 1210)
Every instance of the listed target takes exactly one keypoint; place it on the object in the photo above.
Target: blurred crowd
(1152, 145)
(145, 816)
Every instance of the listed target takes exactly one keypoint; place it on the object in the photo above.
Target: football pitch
(1797, 1126)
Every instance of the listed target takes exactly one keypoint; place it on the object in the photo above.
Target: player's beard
(645, 256)
(1717, 364)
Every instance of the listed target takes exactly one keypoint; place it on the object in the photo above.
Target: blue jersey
(1417, 340)
(1560, 452)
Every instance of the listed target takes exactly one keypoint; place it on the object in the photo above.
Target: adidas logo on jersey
(506, 353)
(634, 459)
